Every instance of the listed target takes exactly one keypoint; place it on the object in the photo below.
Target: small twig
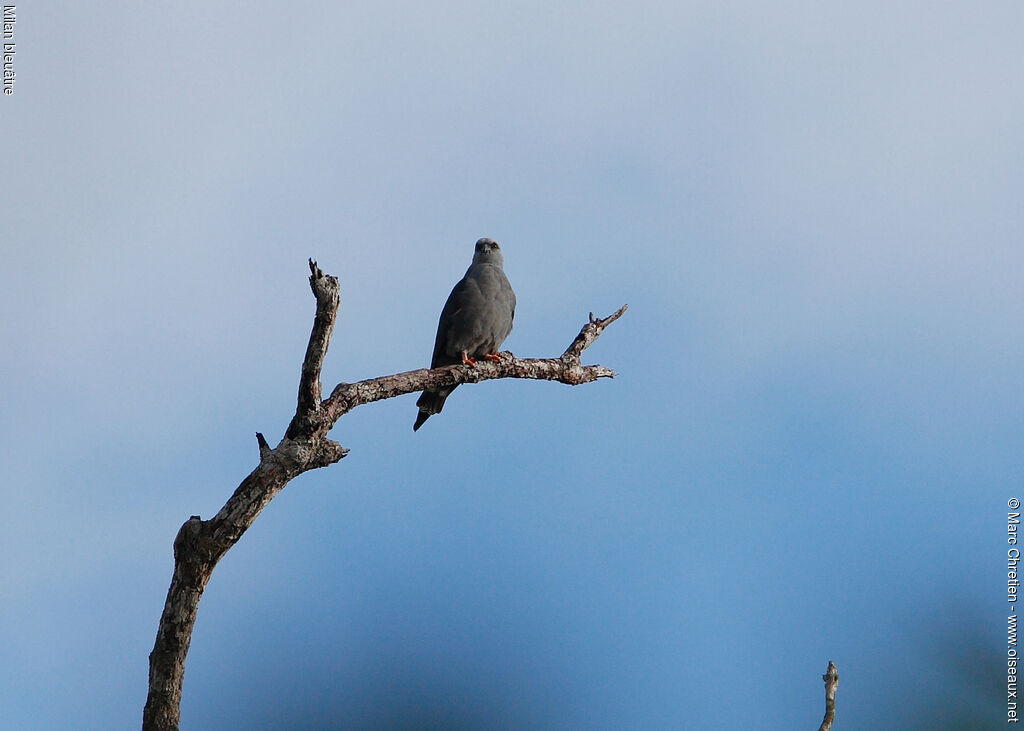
(831, 678)
(591, 332)
(265, 450)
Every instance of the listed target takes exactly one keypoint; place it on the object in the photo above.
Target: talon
(493, 357)
(467, 360)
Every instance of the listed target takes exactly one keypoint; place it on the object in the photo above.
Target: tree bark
(200, 544)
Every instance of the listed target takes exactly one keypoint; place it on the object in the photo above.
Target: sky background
(814, 212)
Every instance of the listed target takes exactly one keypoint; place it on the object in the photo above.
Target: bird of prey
(474, 323)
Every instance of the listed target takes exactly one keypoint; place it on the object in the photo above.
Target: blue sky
(813, 211)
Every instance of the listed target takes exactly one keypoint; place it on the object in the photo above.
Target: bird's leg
(467, 360)
(493, 357)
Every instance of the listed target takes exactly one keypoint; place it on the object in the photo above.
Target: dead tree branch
(831, 678)
(200, 544)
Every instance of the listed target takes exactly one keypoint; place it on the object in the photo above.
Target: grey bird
(474, 323)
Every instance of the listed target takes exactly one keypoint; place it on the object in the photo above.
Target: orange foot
(493, 357)
(467, 360)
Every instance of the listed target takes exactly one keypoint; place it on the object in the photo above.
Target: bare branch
(167, 661)
(565, 369)
(200, 544)
(831, 678)
(325, 289)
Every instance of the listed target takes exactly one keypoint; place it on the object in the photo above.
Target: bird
(474, 322)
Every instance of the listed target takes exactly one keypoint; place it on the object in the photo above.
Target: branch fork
(200, 544)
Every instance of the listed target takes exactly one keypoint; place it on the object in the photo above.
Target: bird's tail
(430, 403)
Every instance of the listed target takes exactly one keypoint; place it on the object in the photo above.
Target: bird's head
(488, 252)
